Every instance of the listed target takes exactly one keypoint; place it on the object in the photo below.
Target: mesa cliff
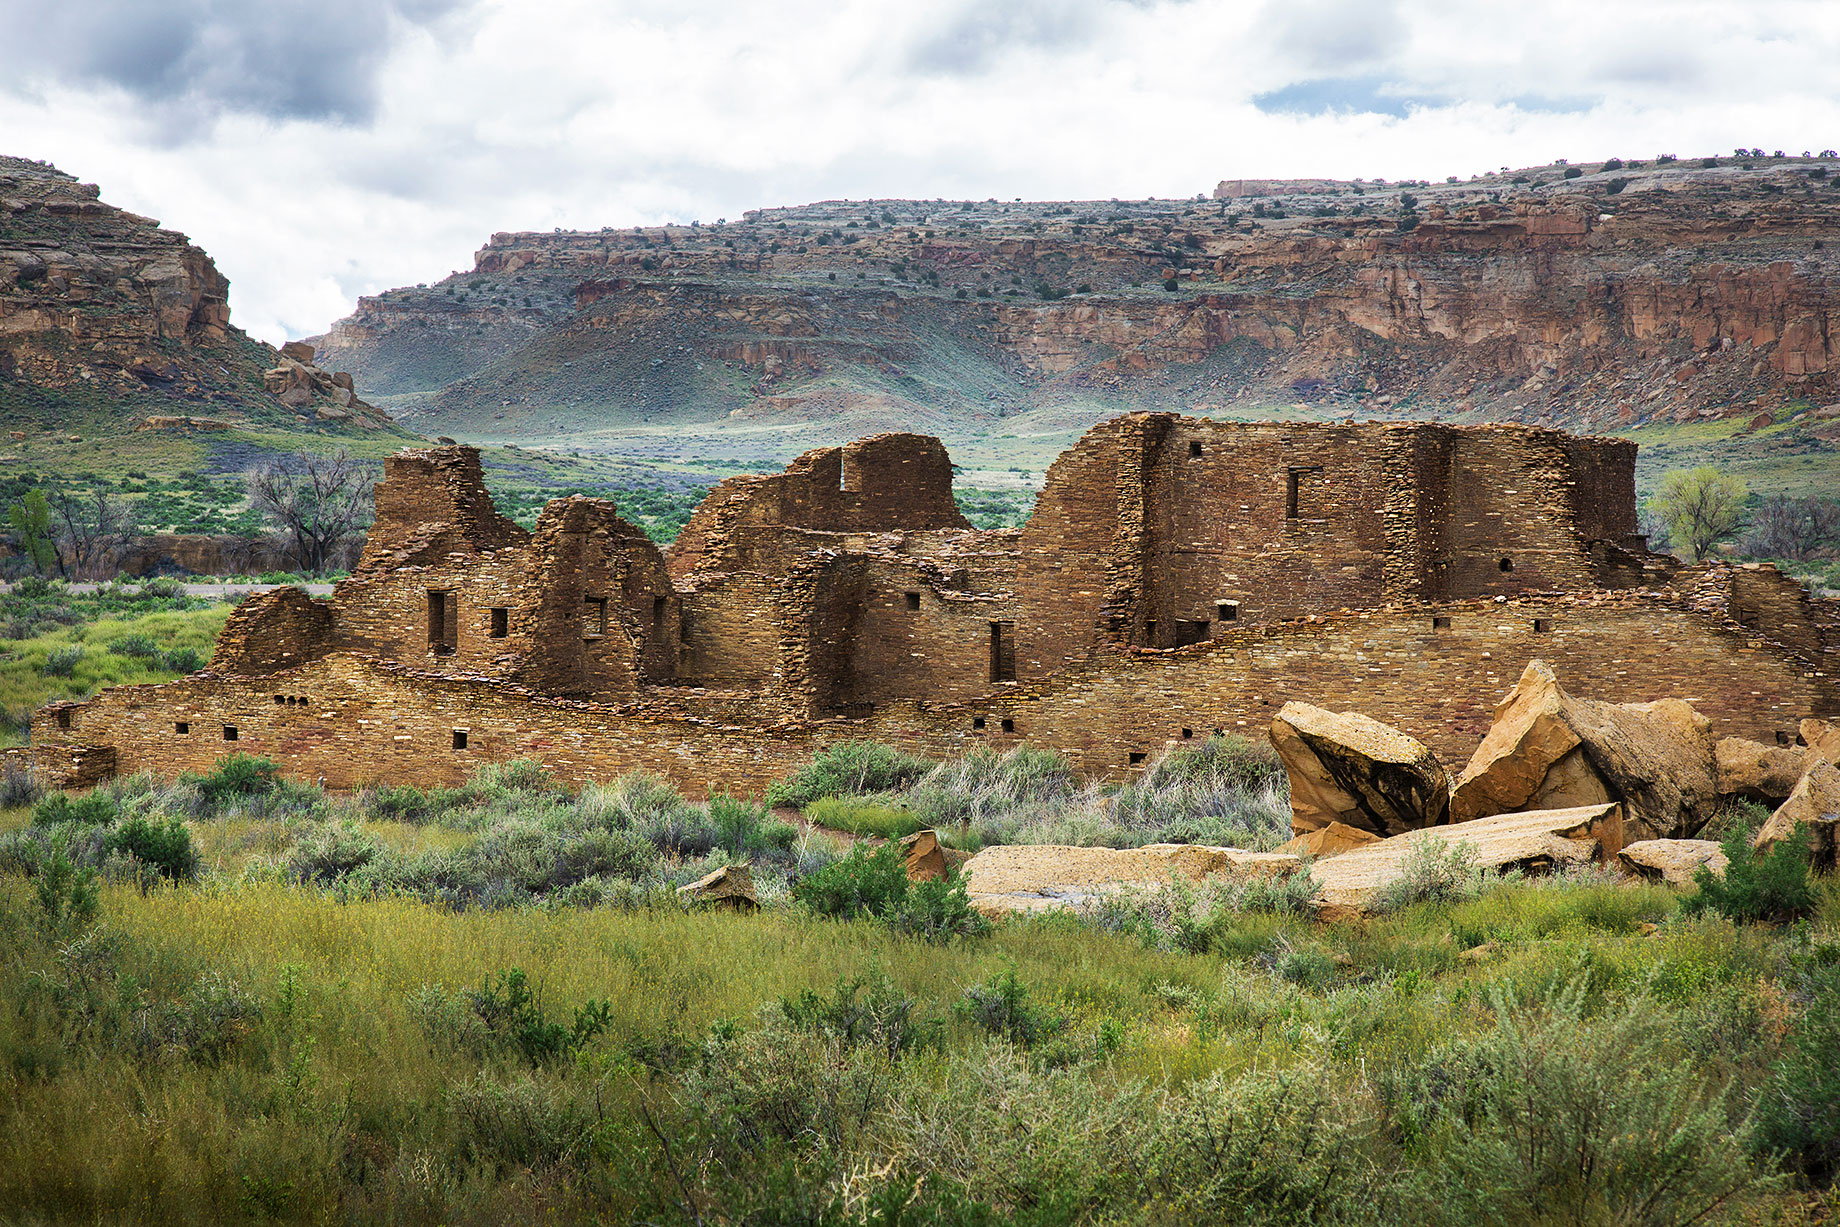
(1591, 297)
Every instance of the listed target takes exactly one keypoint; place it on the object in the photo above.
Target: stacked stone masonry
(1179, 576)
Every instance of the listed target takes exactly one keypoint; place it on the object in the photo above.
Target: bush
(861, 1012)
(937, 909)
(504, 1015)
(238, 775)
(864, 883)
(1798, 1110)
(62, 662)
(167, 846)
(1002, 1007)
(1432, 872)
(849, 768)
(17, 787)
(330, 853)
(1772, 888)
(184, 660)
(861, 817)
(136, 647)
(1170, 284)
(1572, 172)
(64, 891)
(93, 808)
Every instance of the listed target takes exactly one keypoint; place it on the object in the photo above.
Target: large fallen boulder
(1348, 768)
(1536, 841)
(1015, 878)
(1549, 750)
(1332, 840)
(1814, 806)
(1822, 738)
(925, 858)
(1674, 861)
(1751, 769)
(731, 886)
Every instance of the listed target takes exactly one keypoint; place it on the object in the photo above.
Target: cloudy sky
(328, 149)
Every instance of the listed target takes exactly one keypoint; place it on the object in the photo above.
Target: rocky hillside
(1596, 297)
(109, 322)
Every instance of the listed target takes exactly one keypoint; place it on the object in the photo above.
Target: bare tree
(1700, 507)
(90, 532)
(1786, 527)
(317, 502)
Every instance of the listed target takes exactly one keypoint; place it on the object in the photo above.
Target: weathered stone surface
(1534, 840)
(731, 886)
(1331, 840)
(1813, 807)
(299, 351)
(1352, 769)
(1674, 861)
(1751, 769)
(1547, 748)
(925, 858)
(1822, 738)
(1042, 877)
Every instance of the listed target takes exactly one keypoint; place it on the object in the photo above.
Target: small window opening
(1188, 734)
(683, 625)
(1002, 651)
(1188, 632)
(1137, 757)
(1227, 611)
(1194, 451)
(443, 623)
(1150, 632)
(501, 622)
(1541, 625)
(459, 739)
(977, 722)
(1507, 564)
(1782, 738)
(184, 728)
(658, 615)
(305, 702)
(1009, 725)
(280, 700)
(63, 719)
(1440, 624)
(593, 617)
(229, 732)
(913, 602)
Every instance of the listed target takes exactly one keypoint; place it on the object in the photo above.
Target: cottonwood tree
(1700, 507)
(317, 502)
(30, 522)
(90, 532)
(1787, 527)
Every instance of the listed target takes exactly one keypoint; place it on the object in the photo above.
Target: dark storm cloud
(976, 35)
(192, 60)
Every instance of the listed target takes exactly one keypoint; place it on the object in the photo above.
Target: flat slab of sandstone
(1542, 838)
(1041, 877)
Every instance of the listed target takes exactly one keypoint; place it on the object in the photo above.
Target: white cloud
(417, 140)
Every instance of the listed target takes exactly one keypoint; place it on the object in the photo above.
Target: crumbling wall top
(433, 501)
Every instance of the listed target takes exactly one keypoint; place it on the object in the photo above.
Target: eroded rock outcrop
(1331, 840)
(1814, 809)
(731, 887)
(1547, 750)
(1016, 878)
(1762, 773)
(1348, 768)
(1674, 861)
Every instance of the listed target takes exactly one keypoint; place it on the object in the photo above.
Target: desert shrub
(1226, 790)
(136, 647)
(93, 808)
(1573, 172)
(504, 1015)
(537, 859)
(525, 1123)
(1002, 1006)
(520, 775)
(1553, 1116)
(1798, 1108)
(236, 776)
(1433, 871)
(861, 1011)
(1194, 920)
(204, 1025)
(849, 768)
(183, 660)
(17, 787)
(866, 882)
(62, 662)
(1773, 887)
(936, 909)
(987, 785)
(638, 801)
(753, 1092)
(862, 817)
(65, 891)
(743, 828)
(1306, 965)
(166, 846)
(330, 853)
(1736, 816)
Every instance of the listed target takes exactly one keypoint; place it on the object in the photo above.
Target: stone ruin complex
(1178, 577)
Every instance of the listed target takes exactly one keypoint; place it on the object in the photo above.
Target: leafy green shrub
(167, 846)
(1433, 871)
(238, 775)
(93, 808)
(504, 1015)
(1798, 1110)
(136, 647)
(65, 892)
(332, 852)
(1002, 1007)
(1573, 172)
(183, 660)
(62, 662)
(848, 768)
(536, 1125)
(937, 909)
(1773, 887)
(867, 882)
(866, 1011)
(746, 829)
(862, 817)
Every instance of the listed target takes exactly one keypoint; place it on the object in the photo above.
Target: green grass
(862, 817)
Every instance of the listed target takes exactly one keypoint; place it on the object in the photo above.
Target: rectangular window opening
(183, 728)
(280, 700)
(1440, 624)
(659, 610)
(1541, 625)
(913, 602)
(593, 617)
(229, 732)
(459, 739)
(1137, 757)
(501, 622)
(1009, 726)
(977, 722)
(63, 719)
(1002, 651)
(1194, 450)
(1227, 611)
(1188, 632)
(1293, 488)
(1188, 734)
(443, 622)
(1150, 632)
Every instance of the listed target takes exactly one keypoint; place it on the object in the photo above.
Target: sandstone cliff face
(1658, 293)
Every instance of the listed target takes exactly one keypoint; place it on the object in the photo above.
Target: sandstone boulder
(731, 886)
(1536, 840)
(1752, 769)
(1548, 750)
(1351, 769)
(1674, 861)
(299, 351)
(1332, 840)
(1822, 738)
(1814, 806)
(925, 858)
(1043, 877)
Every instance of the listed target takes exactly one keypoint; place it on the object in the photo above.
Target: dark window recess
(1227, 611)
(1009, 726)
(1191, 632)
(977, 722)
(1137, 757)
(1150, 633)
(459, 739)
(1002, 651)
(1782, 738)
(1220, 732)
(683, 625)
(443, 623)
(63, 719)
(913, 602)
(229, 732)
(1187, 734)
(280, 700)
(1542, 625)
(184, 728)
(1293, 488)
(593, 617)
(1194, 451)
(658, 615)
(501, 622)
(1506, 564)
(1440, 624)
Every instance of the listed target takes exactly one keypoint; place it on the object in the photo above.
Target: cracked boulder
(1752, 769)
(1674, 861)
(1549, 750)
(1813, 807)
(1350, 769)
